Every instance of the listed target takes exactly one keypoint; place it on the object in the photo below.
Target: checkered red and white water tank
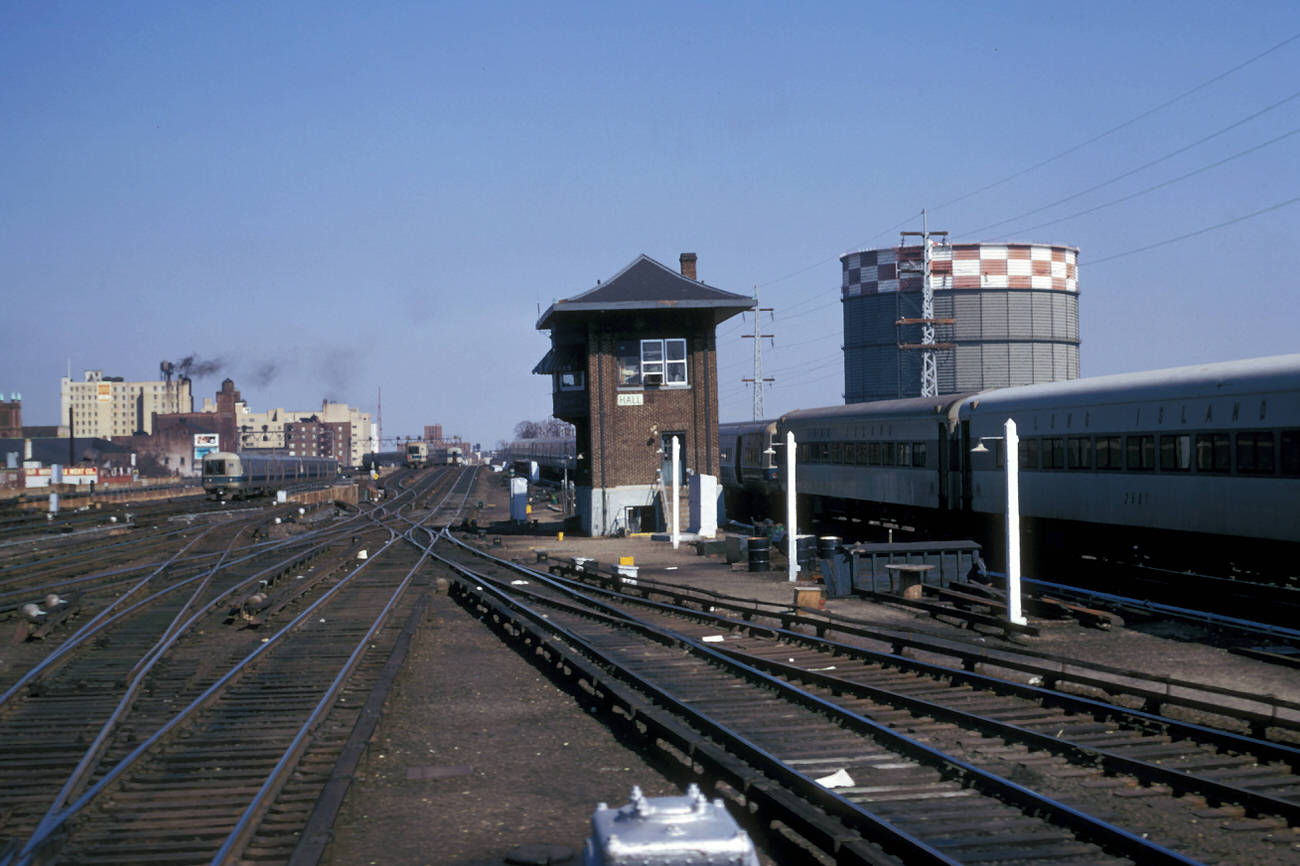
(964, 266)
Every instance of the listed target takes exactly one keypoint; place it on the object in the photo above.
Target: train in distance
(230, 475)
(1193, 467)
(419, 455)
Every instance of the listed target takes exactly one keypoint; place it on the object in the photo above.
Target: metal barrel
(760, 553)
(827, 545)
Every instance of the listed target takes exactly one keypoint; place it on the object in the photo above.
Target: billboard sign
(205, 444)
(80, 474)
(104, 392)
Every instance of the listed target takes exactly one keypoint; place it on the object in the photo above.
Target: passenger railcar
(417, 454)
(549, 456)
(1186, 464)
(228, 474)
(1153, 461)
(748, 455)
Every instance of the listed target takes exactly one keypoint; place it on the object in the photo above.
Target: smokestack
(688, 265)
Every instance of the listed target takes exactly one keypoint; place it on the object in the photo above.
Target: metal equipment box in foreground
(667, 831)
(952, 560)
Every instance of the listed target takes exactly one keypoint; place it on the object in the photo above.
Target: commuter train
(417, 454)
(226, 474)
(1187, 466)
(550, 456)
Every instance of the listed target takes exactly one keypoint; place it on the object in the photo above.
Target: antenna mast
(927, 321)
(758, 379)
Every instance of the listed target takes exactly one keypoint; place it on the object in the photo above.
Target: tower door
(666, 443)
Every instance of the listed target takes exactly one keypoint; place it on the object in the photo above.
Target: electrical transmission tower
(927, 321)
(758, 337)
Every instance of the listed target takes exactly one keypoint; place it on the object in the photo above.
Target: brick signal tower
(634, 363)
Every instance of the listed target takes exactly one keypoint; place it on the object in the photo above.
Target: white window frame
(672, 372)
(577, 381)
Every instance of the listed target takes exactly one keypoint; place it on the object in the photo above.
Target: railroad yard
(318, 681)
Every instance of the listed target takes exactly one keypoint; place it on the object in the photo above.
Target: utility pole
(927, 321)
(379, 417)
(758, 380)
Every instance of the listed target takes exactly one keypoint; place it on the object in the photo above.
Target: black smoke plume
(264, 374)
(194, 367)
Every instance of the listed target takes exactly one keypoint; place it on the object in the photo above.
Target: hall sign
(631, 399)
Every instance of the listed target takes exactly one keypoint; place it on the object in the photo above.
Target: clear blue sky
(331, 199)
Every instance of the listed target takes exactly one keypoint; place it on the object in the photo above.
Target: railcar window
(873, 453)
(904, 454)
(1255, 453)
(1290, 452)
(1213, 453)
(1053, 453)
(887, 454)
(1175, 453)
(918, 454)
(214, 467)
(1078, 452)
(1141, 453)
(1028, 453)
(1109, 453)
(862, 453)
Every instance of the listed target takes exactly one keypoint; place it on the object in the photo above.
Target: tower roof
(645, 284)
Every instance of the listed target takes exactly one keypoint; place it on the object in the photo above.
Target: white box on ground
(704, 505)
(519, 499)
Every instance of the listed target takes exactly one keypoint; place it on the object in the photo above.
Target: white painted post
(676, 472)
(790, 500)
(1013, 524)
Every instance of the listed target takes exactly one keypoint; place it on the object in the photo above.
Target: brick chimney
(688, 265)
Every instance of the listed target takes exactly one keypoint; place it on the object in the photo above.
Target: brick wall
(628, 437)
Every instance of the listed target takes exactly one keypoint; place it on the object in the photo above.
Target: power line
(1141, 116)
(1184, 237)
(1140, 168)
(1125, 124)
(1162, 184)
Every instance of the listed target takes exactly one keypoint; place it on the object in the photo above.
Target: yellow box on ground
(626, 560)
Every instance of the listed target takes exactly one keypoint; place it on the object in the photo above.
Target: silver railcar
(226, 473)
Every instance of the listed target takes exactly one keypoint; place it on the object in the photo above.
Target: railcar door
(941, 457)
(963, 460)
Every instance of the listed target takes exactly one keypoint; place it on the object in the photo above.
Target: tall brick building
(633, 362)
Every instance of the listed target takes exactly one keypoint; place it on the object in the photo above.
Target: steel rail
(247, 823)
(1148, 772)
(1106, 835)
(1157, 689)
(107, 616)
(135, 681)
(57, 816)
(245, 827)
(51, 823)
(1227, 740)
(1180, 781)
(1207, 617)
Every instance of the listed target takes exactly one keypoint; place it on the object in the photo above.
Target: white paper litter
(839, 779)
(713, 638)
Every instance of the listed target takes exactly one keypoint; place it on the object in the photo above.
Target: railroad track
(203, 728)
(938, 764)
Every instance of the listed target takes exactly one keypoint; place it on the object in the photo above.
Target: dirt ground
(478, 752)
